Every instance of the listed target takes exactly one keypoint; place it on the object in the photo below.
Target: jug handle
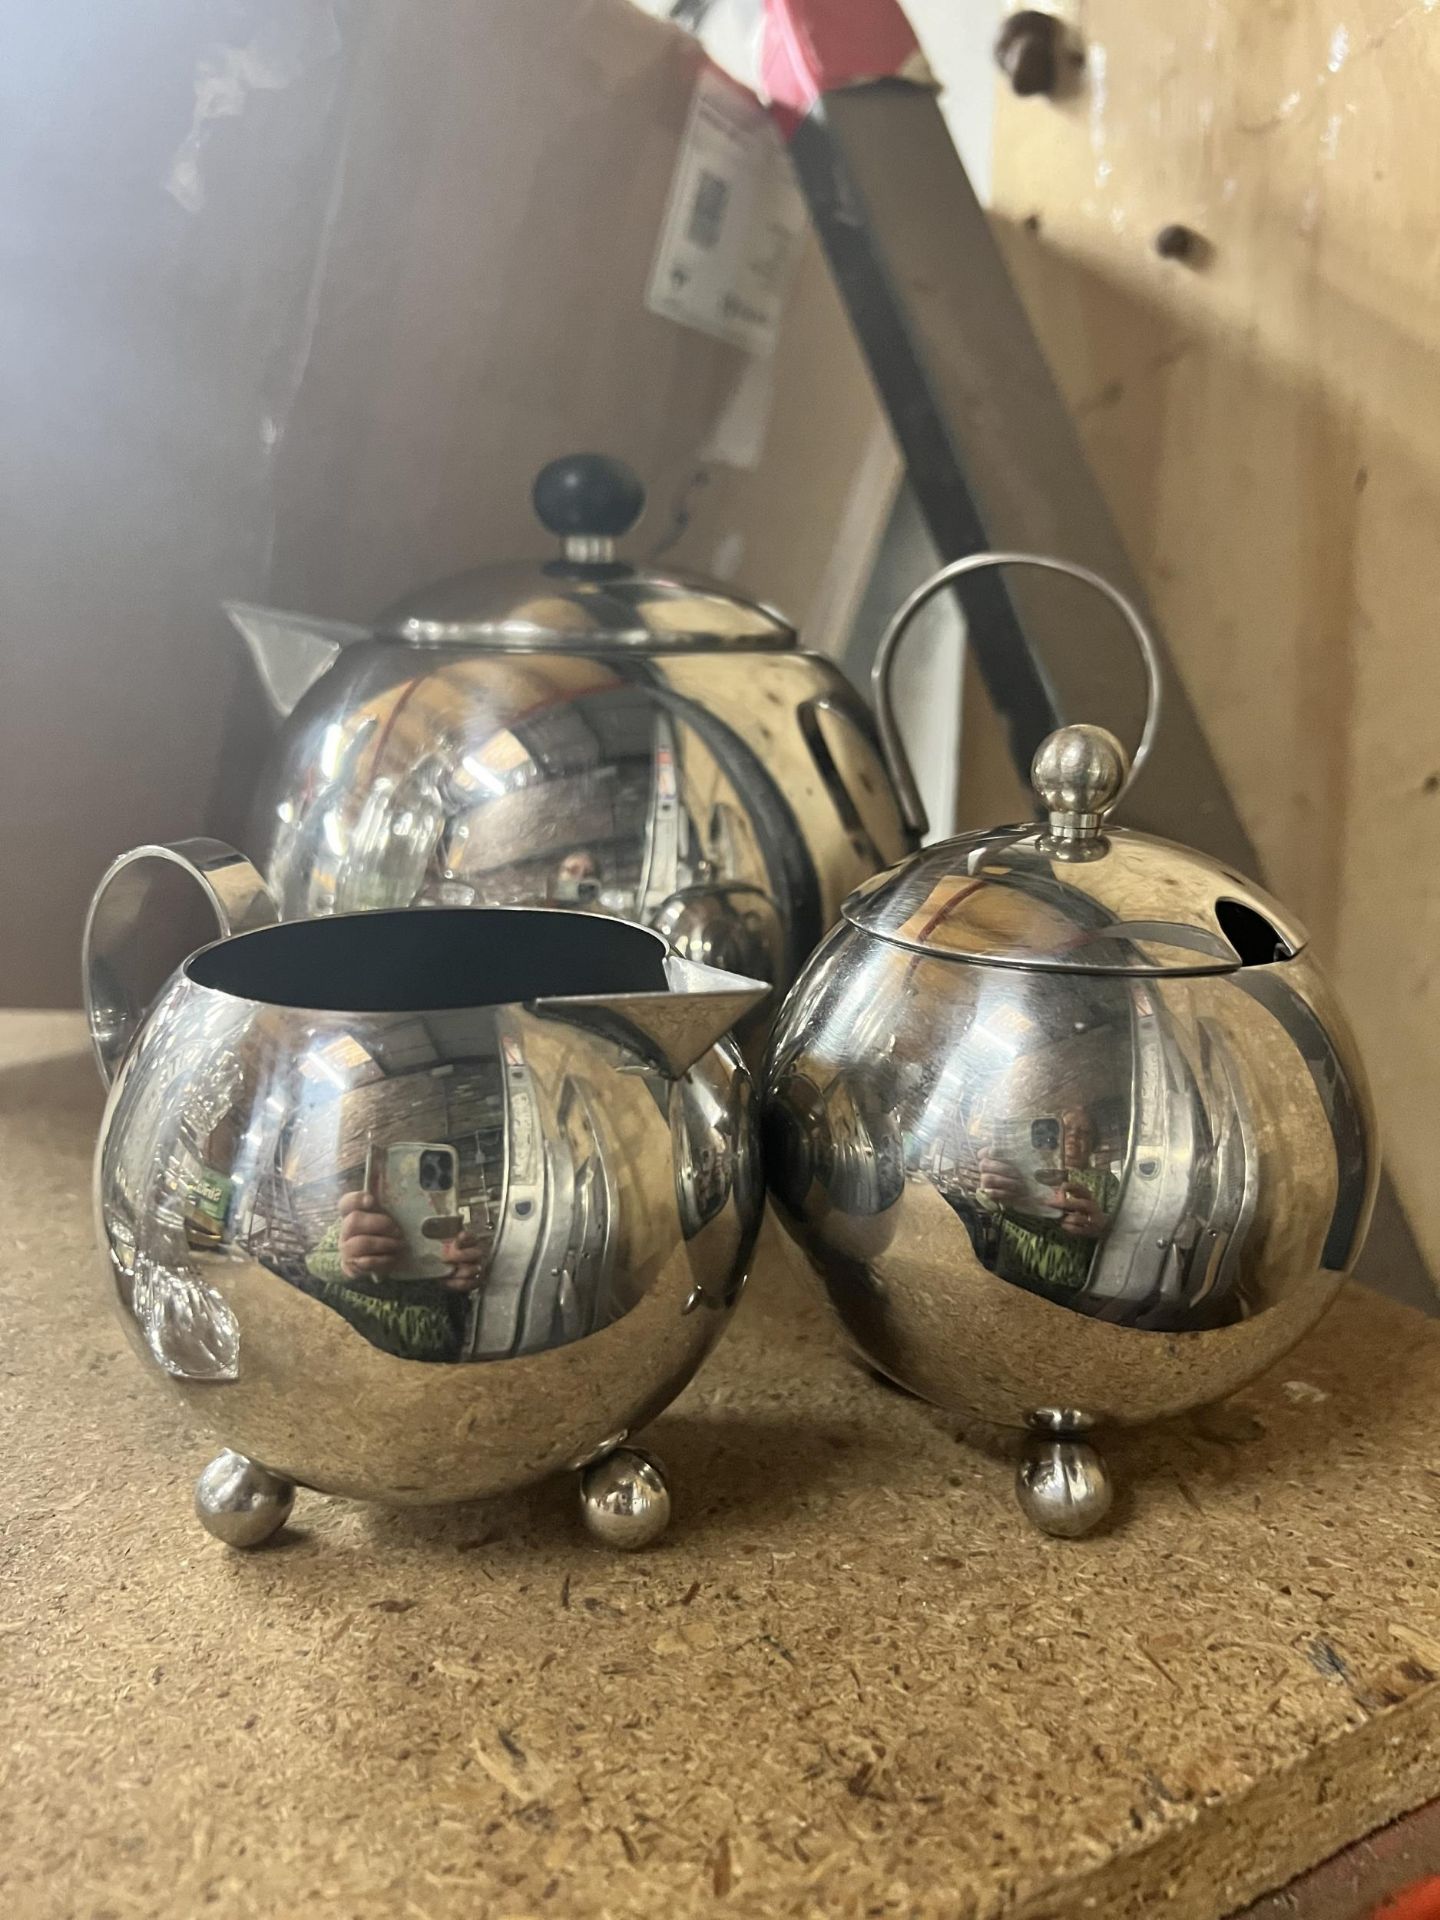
(892, 743)
(118, 992)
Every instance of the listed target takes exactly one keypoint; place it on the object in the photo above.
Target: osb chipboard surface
(851, 1682)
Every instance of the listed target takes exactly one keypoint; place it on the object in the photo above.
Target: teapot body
(729, 798)
(1096, 1197)
(566, 1193)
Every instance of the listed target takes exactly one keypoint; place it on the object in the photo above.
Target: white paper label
(734, 225)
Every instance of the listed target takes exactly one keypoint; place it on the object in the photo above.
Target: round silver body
(569, 1171)
(729, 795)
(1057, 1198)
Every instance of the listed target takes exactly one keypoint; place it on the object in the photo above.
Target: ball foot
(1063, 1486)
(240, 1503)
(624, 1499)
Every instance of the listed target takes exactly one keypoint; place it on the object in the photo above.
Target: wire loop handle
(892, 743)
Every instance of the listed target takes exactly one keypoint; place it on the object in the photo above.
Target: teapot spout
(290, 650)
(671, 1029)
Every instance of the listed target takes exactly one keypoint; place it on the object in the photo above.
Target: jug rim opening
(425, 960)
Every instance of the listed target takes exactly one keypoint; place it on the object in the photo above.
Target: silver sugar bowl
(414, 1206)
(1069, 1123)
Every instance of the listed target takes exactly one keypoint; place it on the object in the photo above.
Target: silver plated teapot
(414, 1207)
(1070, 1123)
(577, 731)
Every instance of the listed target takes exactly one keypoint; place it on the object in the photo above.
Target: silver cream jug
(414, 1207)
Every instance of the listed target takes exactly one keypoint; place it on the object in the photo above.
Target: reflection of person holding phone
(398, 1262)
(577, 879)
(1051, 1253)
(371, 1244)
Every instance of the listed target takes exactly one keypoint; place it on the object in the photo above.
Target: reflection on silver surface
(575, 732)
(680, 791)
(389, 1245)
(1049, 1151)
(1146, 1153)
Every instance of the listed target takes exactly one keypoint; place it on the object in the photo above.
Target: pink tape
(810, 47)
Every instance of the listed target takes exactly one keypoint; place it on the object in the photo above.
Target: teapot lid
(585, 597)
(1075, 894)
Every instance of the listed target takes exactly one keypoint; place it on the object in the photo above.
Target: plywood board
(1266, 427)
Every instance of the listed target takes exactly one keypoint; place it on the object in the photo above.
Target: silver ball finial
(624, 1499)
(1078, 773)
(240, 1503)
(1064, 1487)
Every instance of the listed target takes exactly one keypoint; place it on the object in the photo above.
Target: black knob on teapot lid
(589, 500)
(585, 600)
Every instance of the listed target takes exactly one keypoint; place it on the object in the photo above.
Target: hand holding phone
(411, 1211)
(1022, 1170)
(370, 1242)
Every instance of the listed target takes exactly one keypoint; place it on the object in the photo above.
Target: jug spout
(711, 1002)
(672, 1029)
(290, 650)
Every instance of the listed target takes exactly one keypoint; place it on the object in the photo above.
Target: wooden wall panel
(1266, 426)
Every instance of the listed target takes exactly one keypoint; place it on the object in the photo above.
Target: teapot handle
(143, 922)
(892, 744)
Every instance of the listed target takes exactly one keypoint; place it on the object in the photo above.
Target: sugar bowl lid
(1073, 893)
(584, 597)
